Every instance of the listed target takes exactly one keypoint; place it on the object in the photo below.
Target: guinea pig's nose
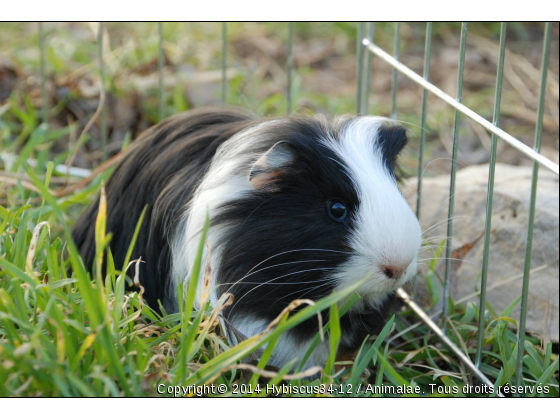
(393, 271)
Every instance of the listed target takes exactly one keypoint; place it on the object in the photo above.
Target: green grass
(67, 331)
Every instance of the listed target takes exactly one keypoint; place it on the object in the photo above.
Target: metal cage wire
(366, 50)
(496, 132)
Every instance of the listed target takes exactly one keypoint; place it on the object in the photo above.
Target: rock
(508, 238)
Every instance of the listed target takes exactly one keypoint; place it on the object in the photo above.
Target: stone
(508, 238)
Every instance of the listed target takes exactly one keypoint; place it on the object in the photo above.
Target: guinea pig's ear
(391, 140)
(271, 165)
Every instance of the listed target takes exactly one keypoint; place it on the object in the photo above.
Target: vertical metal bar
(427, 56)
(161, 62)
(102, 77)
(360, 65)
(453, 176)
(396, 52)
(369, 58)
(529, 249)
(44, 104)
(224, 62)
(290, 64)
(490, 196)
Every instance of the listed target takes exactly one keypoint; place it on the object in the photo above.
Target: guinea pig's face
(323, 213)
(385, 237)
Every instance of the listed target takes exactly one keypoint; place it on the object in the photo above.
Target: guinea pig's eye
(337, 210)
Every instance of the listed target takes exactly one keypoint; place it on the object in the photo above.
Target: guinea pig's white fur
(387, 232)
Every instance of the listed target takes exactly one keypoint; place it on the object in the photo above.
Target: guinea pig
(298, 207)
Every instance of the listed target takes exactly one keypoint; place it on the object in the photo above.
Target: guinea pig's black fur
(161, 170)
(274, 190)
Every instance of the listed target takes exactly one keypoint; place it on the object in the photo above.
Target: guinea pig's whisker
(433, 238)
(435, 225)
(286, 275)
(304, 292)
(432, 246)
(307, 290)
(279, 277)
(459, 164)
(362, 320)
(295, 250)
(428, 247)
(441, 222)
(411, 124)
(273, 284)
(426, 168)
(449, 198)
(435, 160)
(266, 268)
(450, 259)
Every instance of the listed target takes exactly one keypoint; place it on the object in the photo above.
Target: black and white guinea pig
(299, 207)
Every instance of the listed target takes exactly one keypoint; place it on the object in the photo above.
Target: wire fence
(534, 154)
(367, 50)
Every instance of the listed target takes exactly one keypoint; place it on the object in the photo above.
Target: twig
(82, 183)
(86, 129)
(33, 246)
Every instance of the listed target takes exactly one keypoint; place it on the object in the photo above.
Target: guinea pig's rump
(159, 172)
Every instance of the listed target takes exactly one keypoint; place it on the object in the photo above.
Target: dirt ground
(324, 80)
